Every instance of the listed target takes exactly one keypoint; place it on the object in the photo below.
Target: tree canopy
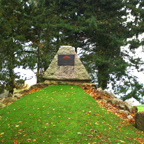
(100, 28)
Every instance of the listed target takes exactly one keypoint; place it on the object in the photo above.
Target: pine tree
(42, 45)
(107, 33)
(104, 25)
(14, 22)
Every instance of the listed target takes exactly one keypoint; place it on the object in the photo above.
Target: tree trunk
(103, 77)
(38, 63)
(57, 45)
(11, 74)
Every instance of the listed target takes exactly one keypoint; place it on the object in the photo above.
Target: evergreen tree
(42, 41)
(108, 31)
(104, 25)
(14, 22)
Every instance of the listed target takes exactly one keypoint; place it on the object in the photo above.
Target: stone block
(139, 120)
(2, 105)
(75, 72)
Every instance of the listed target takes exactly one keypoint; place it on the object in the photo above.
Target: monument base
(70, 82)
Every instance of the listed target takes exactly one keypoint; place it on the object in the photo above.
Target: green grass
(62, 114)
(140, 108)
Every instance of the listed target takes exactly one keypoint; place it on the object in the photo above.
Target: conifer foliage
(107, 31)
(14, 27)
(102, 24)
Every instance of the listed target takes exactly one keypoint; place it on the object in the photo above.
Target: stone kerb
(75, 72)
(139, 120)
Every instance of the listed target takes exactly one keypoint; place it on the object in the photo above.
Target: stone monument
(67, 68)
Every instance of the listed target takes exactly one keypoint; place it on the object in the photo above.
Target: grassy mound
(63, 114)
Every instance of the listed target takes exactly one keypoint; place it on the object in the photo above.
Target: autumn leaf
(2, 133)
(121, 141)
(113, 108)
(127, 137)
(28, 139)
(2, 140)
(89, 136)
(16, 142)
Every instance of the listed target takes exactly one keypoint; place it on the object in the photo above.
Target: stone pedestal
(66, 67)
(77, 83)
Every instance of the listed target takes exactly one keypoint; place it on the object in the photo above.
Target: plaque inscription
(64, 60)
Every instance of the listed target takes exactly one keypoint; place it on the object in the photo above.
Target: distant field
(140, 107)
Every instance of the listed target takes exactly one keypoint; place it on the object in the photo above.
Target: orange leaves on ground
(28, 139)
(128, 138)
(33, 90)
(15, 142)
(141, 140)
(94, 93)
(89, 136)
(26, 92)
(2, 140)
(8, 103)
(114, 108)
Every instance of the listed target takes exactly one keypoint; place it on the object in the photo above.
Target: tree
(42, 36)
(107, 32)
(14, 22)
(104, 25)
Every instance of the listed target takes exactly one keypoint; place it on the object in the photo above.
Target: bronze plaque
(64, 60)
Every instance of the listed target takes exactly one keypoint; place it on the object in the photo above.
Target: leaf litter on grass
(98, 96)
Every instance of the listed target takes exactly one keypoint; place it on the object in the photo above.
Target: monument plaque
(64, 60)
(66, 66)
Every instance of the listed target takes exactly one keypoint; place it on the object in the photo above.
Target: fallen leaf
(15, 142)
(28, 140)
(89, 135)
(121, 141)
(2, 133)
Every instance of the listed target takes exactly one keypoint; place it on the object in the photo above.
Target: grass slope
(63, 114)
